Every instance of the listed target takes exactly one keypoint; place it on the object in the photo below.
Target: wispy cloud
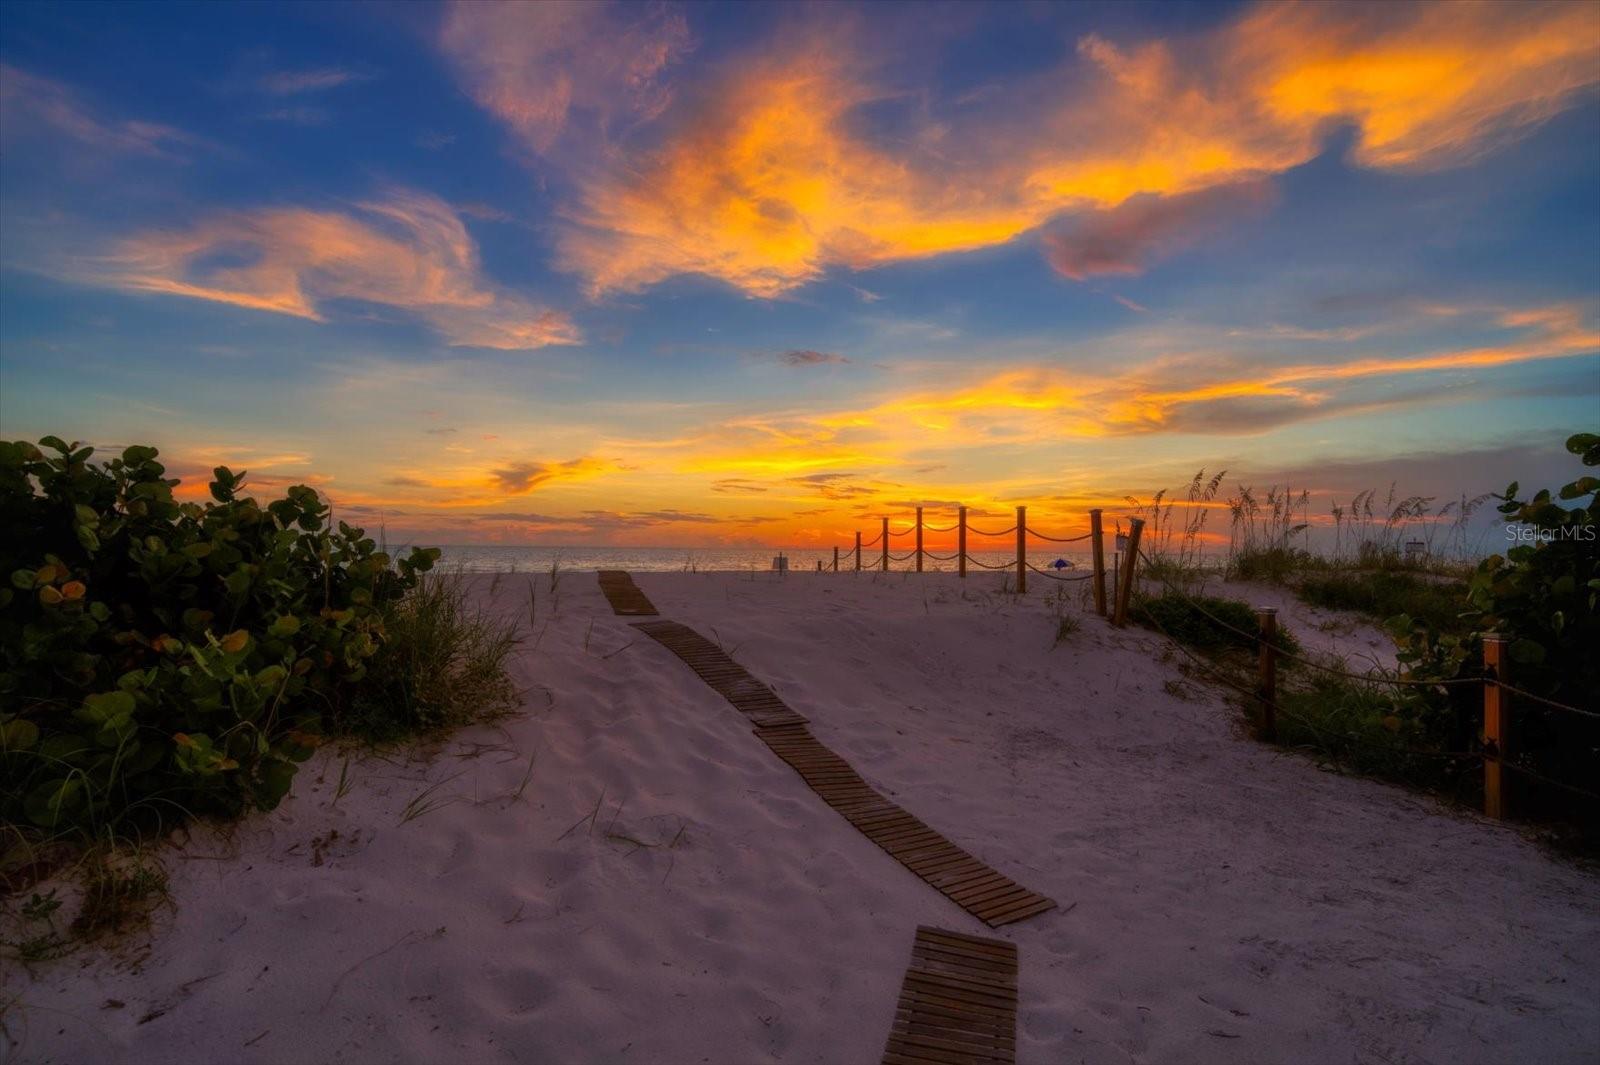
(540, 67)
(298, 116)
(807, 357)
(1126, 238)
(519, 478)
(317, 79)
(30, 104)
(405, 249)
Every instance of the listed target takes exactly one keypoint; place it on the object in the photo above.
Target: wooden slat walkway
(625, 596)
(988, 895)
(731, 680)
(958, 1004)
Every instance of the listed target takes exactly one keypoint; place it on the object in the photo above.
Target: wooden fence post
(919, 539)
(1097, 541)
(1496, 665)
(836, 558)
(961, 542)
(858, 550)
(1267, 671)
(1022, 550)
(885, 538)
(1125, 577)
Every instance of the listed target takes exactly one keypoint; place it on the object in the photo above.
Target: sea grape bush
(1543, 594)
(159, 656)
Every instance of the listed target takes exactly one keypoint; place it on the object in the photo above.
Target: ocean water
(501, 558)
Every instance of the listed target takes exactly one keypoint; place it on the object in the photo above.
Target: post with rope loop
(1022, 550)
(858, 550)
(1097, 541)
(919, 539)
(836, 558)
(961, 543)
(1267, 672)
(885, 538)
(1495, 719)
(1125, 577)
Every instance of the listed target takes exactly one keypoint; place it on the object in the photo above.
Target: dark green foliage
(1184, 618)
(1271, 564)
(1543, 595)
(1381, 594)
(1359, 724)
(158, 656)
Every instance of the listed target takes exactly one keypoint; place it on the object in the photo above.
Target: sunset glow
(692, 275)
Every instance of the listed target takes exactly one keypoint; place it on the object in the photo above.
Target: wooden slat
(961, 1007)
(725, 676)
(983, 892)
(623, 595)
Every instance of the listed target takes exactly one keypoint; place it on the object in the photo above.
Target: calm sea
(500, 558)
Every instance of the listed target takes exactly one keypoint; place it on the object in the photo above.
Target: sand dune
(1220, 900)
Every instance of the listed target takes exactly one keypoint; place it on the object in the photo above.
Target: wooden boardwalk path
(958, 1003)
(624, 596)
(988, 895)
(747, 694)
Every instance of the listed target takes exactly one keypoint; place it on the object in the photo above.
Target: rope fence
(1115, 606)
(1491, 679)
(882, 556)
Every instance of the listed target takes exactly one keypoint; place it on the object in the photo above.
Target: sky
(663, 274)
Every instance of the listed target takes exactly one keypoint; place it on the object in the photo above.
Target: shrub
(1273, 565)
(1382, 594)
(1361, 725)
(1544, 594)
(160, 657)
(1185, 619)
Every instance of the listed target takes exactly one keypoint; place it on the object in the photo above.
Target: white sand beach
(1220, 900)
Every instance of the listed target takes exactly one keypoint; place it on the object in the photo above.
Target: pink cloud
(31, 103)
(1125, 239)
(538, 65)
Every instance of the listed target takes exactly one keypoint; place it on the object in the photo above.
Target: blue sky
(679, 274)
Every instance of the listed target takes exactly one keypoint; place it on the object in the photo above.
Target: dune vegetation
(162, 660)
(1421, 722)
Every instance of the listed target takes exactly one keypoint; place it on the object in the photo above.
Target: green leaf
(18, 735)
(1586, 445)
(103, 706)
(54, 800)
(285, 625)
(1527, 652)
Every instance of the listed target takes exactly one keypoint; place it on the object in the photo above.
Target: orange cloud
(1040, 404)
(767, 182)
(408, 250)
